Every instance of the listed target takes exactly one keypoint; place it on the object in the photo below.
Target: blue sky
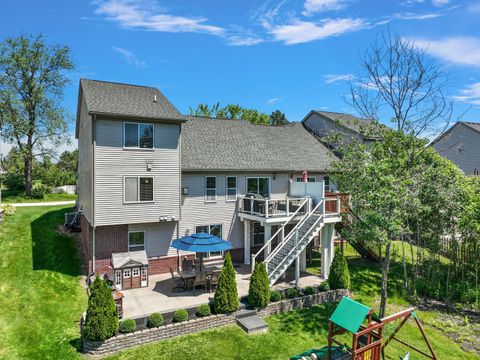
(291, 55)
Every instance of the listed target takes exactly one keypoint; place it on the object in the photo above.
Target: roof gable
(475, 127)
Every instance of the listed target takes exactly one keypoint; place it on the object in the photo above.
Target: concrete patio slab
(160, 297)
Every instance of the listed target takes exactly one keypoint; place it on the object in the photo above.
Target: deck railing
(271, 208)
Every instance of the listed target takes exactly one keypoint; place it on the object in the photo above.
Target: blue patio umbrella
(201, 243)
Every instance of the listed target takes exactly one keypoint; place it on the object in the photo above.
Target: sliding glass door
(258, 185)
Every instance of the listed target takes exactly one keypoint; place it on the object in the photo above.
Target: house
(461, 145)
(323, 124)
(148, 174)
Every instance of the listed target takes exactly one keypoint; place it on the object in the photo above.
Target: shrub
(8, 209)
(15, 181)
(226, 296)
(339, 277)
(291, 293)
(40, 191)
(309, 290)
(101, 320)
(324, 286)
(259, 289)
(275, 296)
(203, 310)
(155, 320)
(180, 316)
(470, 296)
(127, 326)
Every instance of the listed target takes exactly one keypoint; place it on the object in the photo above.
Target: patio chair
(179, 283)
(213, 279)
(200, 279)
(187, 264)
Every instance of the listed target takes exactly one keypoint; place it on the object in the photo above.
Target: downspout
(93, 191)
(180, 193)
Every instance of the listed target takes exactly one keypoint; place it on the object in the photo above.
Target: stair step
(252, 324)
(245, 313)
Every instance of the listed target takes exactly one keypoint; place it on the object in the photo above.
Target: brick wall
(162, 265)
(86, 241)
(125, 341)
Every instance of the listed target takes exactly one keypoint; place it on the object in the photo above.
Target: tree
(259, 288)
(400, 83)
(101, 321)
(278, 118)
(32, 79)
(231, 111)
(226, 295)
(339, 277)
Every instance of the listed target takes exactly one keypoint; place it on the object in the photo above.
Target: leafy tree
(278, 118)
(259, 288)
(339, 277)
(231, 111)
(32, 79)
(226, 295)
(102, 320)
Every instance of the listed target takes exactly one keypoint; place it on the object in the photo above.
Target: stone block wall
(124, 341)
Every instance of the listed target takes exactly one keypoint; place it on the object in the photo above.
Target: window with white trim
(136, 272)
(138, 135)
(309, 179)
(126, 273)
(138, 189)
(210, 188)
(215, 230)
(326, 179)
(136, 240)
(231, 188)
(258, 185)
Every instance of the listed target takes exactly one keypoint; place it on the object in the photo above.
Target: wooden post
(425, 337)
(330, 335)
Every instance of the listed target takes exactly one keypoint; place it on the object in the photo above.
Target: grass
(41, 298)
(15, 197)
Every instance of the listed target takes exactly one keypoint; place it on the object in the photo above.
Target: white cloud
(470, 94)
(272, 101)
(238, 40)
(316, 6)
(474, 7)
(417, 16)
(298, 32)
(137, 14)
(440, 2)
(130, 57)
(333, 78)
(460, 50)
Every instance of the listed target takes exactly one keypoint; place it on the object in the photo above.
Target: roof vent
(155, 98)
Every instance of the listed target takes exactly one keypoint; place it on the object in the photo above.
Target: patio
(160, 297)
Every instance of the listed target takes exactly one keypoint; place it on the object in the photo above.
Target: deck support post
(297, 272)
(327, 249)
(246, 242)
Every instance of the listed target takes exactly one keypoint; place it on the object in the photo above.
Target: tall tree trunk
(28, 174)
(385, 269)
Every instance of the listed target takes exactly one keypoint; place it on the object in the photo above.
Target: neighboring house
(325, 124)
(461, 145)
(148, 175)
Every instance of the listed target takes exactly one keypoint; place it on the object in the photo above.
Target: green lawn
(41, 299)
(15, 197)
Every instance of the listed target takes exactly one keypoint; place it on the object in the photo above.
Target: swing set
(370, 334)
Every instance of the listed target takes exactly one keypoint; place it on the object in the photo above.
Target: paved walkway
(48, 203)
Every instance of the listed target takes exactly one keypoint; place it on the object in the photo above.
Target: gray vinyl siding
(323, 126)
(85, 161)
(112, 163)
(461, 146)
(159, 237)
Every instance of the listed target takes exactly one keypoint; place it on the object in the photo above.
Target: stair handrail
(290, 234)
(254, 256)
(297, 242)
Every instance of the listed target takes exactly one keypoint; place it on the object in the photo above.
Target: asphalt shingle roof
(219, 144)
(473, 125)
(111, 98)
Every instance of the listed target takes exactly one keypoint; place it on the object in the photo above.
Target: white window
(215, 230)
(118, 279)
(136, 240)
(136, 272)
(138, 189)
(143, 279)
(210, 188)
(258, 185)
(231, 188)
(309, 179)
(126, 273)
(138, 135)
(326, 179)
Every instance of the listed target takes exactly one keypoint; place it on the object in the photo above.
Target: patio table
(188, 276)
